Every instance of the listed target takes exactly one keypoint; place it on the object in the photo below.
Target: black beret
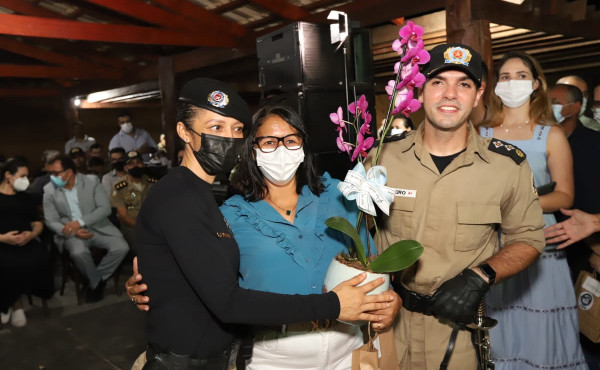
(217, 97)
(454, 56)
(75, 151)
(131, 155)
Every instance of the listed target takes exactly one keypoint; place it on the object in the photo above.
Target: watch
(489, 272)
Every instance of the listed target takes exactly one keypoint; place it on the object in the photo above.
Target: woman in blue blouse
(285, 246)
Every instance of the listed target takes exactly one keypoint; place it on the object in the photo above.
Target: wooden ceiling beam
(37, 71)
(283, 9)
(28, 92)
(27, 8)
(501, 12)
(48, 56)
(11, 24)
(232, 5)
(205, 17)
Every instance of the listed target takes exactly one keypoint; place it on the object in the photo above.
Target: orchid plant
(368, 187)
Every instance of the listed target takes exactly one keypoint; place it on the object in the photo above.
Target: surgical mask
(217, 154)
(596, 112)
(136, 172)
(21, 184)
(127, 127)
(280, 165)
(557, 109)
(583, 105)
(396, 131)
(58, 181)
(514, 93)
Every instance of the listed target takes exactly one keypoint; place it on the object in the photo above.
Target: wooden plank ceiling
(72, 47)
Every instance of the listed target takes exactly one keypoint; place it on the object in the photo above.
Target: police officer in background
(455, 190)
(129, 194)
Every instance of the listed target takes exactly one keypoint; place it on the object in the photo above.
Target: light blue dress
(536, 309)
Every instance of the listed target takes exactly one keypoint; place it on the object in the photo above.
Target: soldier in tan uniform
(454, 190)
(128, 195)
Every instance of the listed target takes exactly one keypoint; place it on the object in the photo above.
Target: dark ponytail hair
(11, 166)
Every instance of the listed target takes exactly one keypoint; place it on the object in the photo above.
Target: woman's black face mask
(217, 154)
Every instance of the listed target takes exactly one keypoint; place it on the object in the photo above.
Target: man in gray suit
(76, 208)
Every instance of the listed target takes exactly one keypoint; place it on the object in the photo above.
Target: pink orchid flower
(417, 55)
(413, 106)
(342, 145)
(338, 119)
(403, 99)
(363, 146)
(411, 33)
(365, 129)
(359, 107)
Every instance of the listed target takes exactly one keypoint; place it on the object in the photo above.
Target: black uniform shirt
(190, 261)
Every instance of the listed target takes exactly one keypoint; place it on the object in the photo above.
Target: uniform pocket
(401, 217)
(476, 224)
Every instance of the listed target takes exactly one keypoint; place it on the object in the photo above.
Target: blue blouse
(280, 257)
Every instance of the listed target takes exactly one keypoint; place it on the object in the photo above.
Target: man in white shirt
(132, 138)
(79, 139)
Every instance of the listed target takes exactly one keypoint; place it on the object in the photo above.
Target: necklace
(507, 129)
(287, 211)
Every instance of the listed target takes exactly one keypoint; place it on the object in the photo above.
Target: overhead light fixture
(77, 102)
(339, 30)
(517, 2)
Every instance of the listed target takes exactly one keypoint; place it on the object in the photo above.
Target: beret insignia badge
(218, 99)
(457, 55)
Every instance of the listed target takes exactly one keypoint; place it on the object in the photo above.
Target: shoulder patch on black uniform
(152, 179)
(120, 185)
(507, 149)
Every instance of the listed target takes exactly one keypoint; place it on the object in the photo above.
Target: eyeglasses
(268, 144)
(56, 173)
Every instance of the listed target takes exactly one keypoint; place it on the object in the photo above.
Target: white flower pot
(338, 273)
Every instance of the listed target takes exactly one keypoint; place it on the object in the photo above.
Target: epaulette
(507, 149)
(389, 139)
(152, 179)
(120, 185)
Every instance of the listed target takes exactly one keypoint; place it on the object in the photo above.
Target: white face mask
(583, 105)
(514, 93)
(596, 112)
(127, 127)
(396, 131)
(21, 184)
(280, 165)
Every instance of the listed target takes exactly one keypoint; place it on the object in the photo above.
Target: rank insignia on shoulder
(152, 179)
(120, 185)
(507, 149)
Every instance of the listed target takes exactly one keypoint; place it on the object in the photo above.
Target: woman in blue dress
(536, 309)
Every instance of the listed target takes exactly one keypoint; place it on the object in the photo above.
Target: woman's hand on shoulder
(134, 288)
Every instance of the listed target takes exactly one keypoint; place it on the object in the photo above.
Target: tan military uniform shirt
(456, 216)
(127, 194)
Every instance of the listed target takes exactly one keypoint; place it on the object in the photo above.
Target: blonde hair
(540, 107)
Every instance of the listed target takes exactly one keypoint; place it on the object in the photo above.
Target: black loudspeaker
(299, 67)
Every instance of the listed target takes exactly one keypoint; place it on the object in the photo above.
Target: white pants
(327, 350)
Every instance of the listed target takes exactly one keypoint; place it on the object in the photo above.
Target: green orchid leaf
(344, 226)
(398, 256)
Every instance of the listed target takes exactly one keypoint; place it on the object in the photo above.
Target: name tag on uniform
(407, 193)
(224, 235)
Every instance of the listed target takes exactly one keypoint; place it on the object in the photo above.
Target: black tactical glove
(458, 298)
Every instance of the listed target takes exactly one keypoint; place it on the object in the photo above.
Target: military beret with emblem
(457, 57)
(75, 151)
(217, 97)
(131, 155)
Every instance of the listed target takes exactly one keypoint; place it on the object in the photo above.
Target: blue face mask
(557, 109)
(58, 181)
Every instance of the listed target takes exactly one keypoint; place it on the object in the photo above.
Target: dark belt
(157, 359)
(413, 301)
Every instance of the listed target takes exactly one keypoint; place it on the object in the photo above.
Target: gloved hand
(458, 298)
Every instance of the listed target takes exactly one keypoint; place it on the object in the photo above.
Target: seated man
(76, 208)
(129, 194)
(77, 155)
